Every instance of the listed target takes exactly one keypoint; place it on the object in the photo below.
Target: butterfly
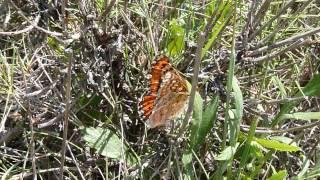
(168, 94)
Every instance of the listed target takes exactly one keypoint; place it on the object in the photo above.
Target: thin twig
(27, 174)
(76, 163)
(282, 11)
(107, 10)
(27, 29)
(152, 39)
(32, 149)
(248, 25)
(261, 13)
(279, 131)
(132, 26)
(69, 56)
(279, 26)
(277, 53)
(290, 40)
(275, 101)
(66, 114)
(196, 68)
(34, 24)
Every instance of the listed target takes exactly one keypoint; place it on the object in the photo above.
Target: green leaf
(302, 116)
(201, 127)
(238, 99)
(227, 153)
(284, 140)
(279, 175)
(186, 160)
(197, 109)
(104, 141)
(196, 117)
(211, 7)
(311, 89)
(256, 150)
(235, 120)
(276, 145)
(176, 41)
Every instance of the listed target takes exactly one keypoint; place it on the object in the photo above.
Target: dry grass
(86, 63)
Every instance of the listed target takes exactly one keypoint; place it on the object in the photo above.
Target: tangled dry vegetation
(73, 72)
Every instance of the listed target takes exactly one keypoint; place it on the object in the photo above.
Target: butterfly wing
(168, 94)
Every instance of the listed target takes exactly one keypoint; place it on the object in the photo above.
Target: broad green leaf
(197, 107)
(276, 145)
(279, 175)
(201, 127)
(196, 116)
(302, 116)
(227, 153)
(284, 140)
(238, 99)
(311, 89)
(256, 149)
(186, 160)
(232, 119)
(176, 41)
(238, 112)
(93, 111)
(104, 141)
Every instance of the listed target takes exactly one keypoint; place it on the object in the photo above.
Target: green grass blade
(201, 127)
(276, 145)
(279, 175)
(238, 112)
(224, 18)
(306, 116)
(280, 85)
(227, 153)
(187, 163)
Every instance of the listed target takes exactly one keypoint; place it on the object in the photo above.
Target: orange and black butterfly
(168, 94)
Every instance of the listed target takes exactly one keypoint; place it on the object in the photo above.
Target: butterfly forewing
(168, 94)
